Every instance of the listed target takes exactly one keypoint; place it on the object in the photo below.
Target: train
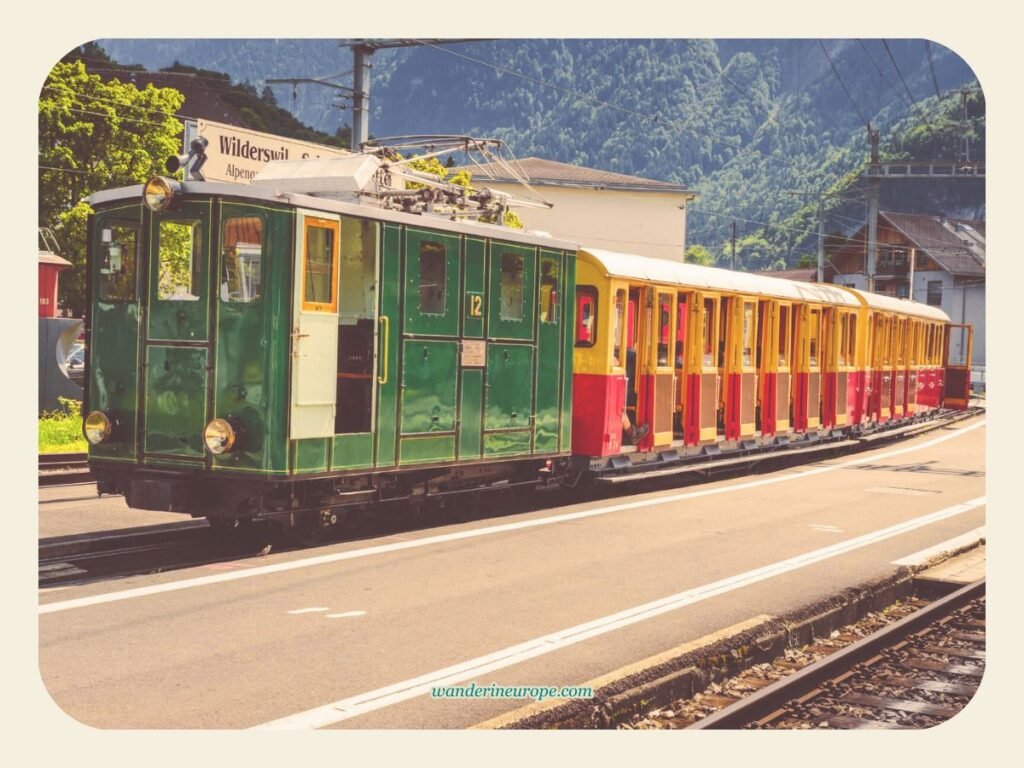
(338, 334)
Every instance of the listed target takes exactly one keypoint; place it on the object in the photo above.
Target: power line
(91, 97)
(741, 91)
(897, 67)
(931, 65)
(656, 119)
(845, 89)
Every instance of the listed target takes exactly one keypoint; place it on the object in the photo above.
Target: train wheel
(310, 528)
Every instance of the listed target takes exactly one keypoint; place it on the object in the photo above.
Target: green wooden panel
(568, 326)
(428, 386)
(474, 298)
(511, 302)
(421, 450)
(182, 317)
(387, 393)
(507, 443)
(176, 379)
(114, 343)
(509, 386)
(310, 455)
(470, 413)
(353, 451)
(250, 377)
(431, 304)
(549, 354)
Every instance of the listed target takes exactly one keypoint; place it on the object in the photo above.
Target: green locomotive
(298, 346)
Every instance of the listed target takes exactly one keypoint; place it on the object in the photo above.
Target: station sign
(237, 154)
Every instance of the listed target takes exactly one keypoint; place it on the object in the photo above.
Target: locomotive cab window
(241, 259)
(320, 267)
(586, 316)
(119, 244)
(180, 254)
(511, 287)
(433, 269)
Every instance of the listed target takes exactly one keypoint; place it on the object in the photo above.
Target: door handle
(383, 378)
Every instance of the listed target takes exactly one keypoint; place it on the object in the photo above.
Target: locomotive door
(360, 335)
(959, 348)
(176, 305)
(314, 348)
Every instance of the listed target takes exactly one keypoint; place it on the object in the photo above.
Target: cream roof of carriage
(665, 272)
(880, 303)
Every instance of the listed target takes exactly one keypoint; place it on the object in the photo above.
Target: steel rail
(776, 696)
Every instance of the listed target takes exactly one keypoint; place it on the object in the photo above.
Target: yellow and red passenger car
(697, 360)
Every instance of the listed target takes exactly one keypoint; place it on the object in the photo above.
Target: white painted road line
(345, 615)
(308, 610)
(920, 558)
(826, 528)
(202, 581)
(344, 709)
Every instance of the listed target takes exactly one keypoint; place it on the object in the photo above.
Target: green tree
(95, 135)
(462, 178)
(698, 254)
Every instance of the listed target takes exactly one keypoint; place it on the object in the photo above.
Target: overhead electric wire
(845, 89)
(931, 65)
(743, 92)
(902, 80)
(101, 100)
(656, 119)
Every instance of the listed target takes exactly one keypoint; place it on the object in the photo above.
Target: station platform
(952, 574)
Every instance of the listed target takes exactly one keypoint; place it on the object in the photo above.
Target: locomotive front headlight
(159, 193)
(219, 436)
(96, 427)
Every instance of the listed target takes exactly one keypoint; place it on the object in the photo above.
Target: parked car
(75, 364)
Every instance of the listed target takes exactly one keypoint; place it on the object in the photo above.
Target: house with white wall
(606, 210)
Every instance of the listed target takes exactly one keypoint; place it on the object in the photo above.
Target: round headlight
(96, 427)
(159, 192)
(218, 436)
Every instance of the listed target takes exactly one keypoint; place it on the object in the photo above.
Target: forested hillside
(744, 122)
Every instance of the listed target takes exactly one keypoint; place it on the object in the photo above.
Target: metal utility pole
(362, 50)
(360, 95)
(733, 262)
(873, 190)
(821, 239)
(965, 125)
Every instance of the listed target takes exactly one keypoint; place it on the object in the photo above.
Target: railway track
(63, 469)
(105, 554)
(916, 673)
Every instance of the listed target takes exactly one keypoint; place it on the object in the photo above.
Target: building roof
(549, 172)
(45, 257)
(808, 275)
(959, 253)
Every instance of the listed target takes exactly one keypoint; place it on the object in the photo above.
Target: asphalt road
(353, 635)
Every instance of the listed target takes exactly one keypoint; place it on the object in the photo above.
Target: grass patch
(60, 431)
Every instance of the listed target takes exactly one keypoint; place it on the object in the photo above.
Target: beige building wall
(646, 223)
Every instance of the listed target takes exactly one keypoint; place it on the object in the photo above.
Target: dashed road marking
(344, 709)
(345, 615)
(826, 528)
(308, 610)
